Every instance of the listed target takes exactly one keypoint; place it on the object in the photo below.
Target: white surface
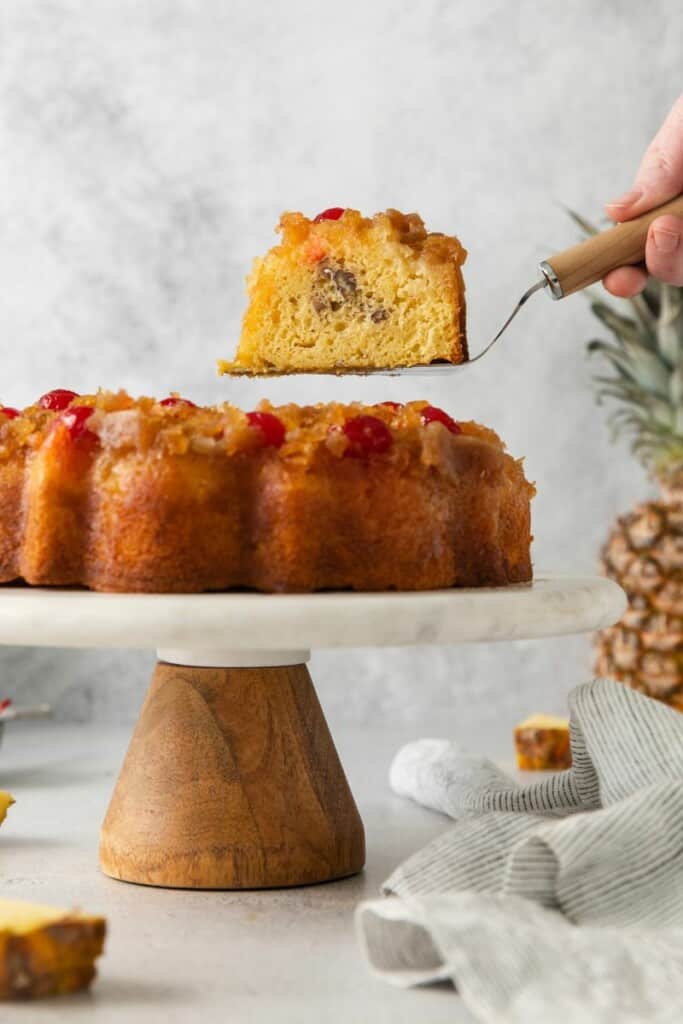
(174, 956)
(75, 618)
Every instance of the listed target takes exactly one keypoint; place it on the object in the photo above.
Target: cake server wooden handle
(584, 264)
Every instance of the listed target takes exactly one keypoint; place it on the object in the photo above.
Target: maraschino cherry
(75, 421)
(57, 400)
(431, 414)
(333, 213)
(176, 400)
(271, 428)
(367, 435)
(9, 412)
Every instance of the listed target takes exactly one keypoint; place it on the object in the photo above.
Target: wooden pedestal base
(231, 781)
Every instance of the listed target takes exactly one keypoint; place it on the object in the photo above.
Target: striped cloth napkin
(560, 900)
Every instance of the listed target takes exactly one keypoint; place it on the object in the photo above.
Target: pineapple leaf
(581, 222)
(670, 324)
(623, 327)
(636, 365)
(642, 370)
(619, 325)
(676, 388)
(645, 316)
(648, 370)
(650, 298)
(615, 355)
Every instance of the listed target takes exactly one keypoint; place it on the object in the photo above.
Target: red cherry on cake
(75, 421)
(367, 435)
(271, 428)
(9, 412)
(57, 400)
(175, 400)
(333, 213)
(430, 414)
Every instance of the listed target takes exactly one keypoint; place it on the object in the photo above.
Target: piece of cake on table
(343, 291)
(542, 743)
(124, 494)
(46, 951)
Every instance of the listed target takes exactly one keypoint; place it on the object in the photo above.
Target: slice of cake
(542, 743)
(45, 951)
(345, 291)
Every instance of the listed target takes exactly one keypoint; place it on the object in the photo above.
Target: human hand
(659, 178)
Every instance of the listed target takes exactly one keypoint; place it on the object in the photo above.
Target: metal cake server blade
(567, 272)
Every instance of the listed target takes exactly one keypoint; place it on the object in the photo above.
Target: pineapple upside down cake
(124, 494)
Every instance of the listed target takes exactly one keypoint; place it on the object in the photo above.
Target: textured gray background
(147, 148)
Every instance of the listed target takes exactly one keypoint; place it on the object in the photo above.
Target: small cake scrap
(343, 291)
(542, 744)
(45, 951)
(6, 802)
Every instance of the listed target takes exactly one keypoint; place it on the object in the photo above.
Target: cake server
(561, 275)
(583, 264)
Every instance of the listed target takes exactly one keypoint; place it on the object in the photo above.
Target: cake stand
(231, 779)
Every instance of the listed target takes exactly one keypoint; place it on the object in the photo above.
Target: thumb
(660, 175)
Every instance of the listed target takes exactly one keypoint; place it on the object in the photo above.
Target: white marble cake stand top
(552, 605)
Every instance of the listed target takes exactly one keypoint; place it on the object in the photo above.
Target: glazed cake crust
(179, 499)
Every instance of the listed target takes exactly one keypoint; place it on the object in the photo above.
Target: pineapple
(644, 551)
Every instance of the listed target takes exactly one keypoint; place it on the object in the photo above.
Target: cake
(45, 951)
(542, 743)
(123, 494)
(6, 801)
(343, 291)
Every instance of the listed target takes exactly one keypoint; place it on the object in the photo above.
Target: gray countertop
(172, 955)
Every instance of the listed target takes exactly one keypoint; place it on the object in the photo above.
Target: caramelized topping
(352, 429)
(177, 400)
(271, 429)
(57, 400)
(75, 421)
(332, 213)
(430, 414)
(367, 435)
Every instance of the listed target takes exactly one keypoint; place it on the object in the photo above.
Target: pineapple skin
(644, 555)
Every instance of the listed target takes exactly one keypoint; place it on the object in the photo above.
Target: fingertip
(625, 206)
(625, 282)
(664, 249)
